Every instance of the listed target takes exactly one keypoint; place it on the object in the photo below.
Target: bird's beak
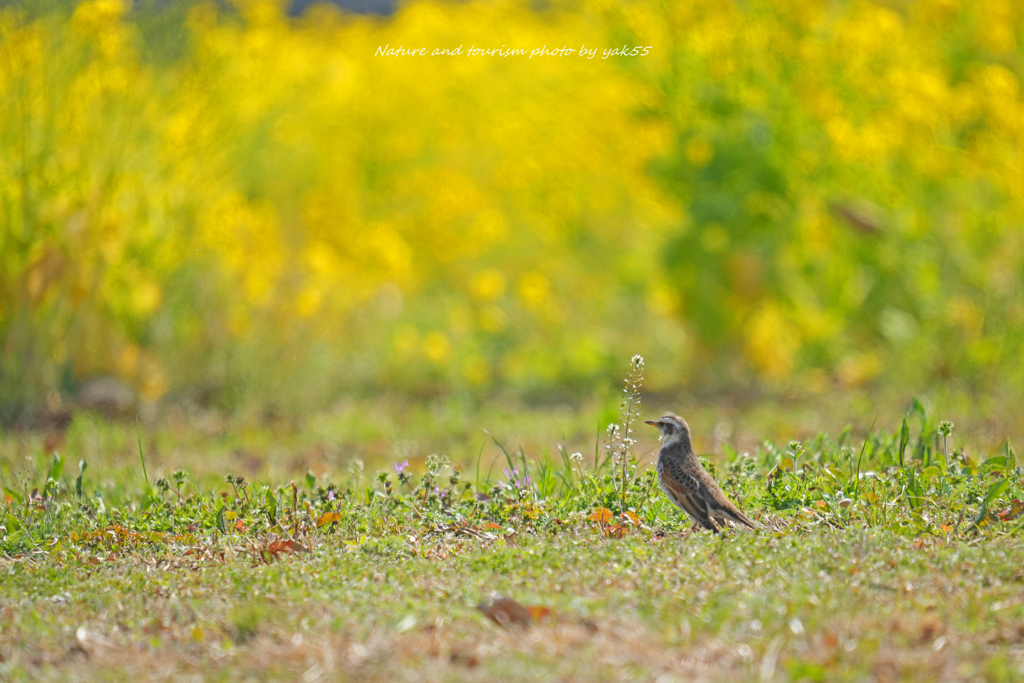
(651, 422)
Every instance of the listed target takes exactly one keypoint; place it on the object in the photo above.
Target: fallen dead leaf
(274, 547)
(1012, 512)
(505, 611)
(327, 518)
(615, 531)
(632, 517)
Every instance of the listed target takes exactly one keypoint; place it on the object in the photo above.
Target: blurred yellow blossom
(436, 347)
(771, 342)
(488, 285)
(534, 289)
(268, 187)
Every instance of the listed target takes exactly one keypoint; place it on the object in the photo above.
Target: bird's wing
(721, 507)
(686, 492)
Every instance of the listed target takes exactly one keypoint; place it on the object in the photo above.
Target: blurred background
(238, 206)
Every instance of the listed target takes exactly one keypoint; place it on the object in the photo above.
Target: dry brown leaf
(1015, 509)
(505, 611)
(277, 546)
(327, 518)
(615, 531)
(538, 612)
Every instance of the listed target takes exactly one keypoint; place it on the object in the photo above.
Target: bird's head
(672, 427)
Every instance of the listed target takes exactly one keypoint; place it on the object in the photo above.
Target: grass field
(353, 318)
(209, 551)
(804, 604)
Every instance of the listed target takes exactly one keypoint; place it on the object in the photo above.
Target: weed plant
(907, 481)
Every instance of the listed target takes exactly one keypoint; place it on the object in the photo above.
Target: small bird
(686, 482)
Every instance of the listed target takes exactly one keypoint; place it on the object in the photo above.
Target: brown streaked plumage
(685, 481)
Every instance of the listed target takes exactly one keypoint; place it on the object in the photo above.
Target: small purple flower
(515, 481)
(330, 495)
(400, 468)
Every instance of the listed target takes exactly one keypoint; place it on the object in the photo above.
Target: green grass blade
(904, 439)
(856, 483)
(142, 458)
(501, 447)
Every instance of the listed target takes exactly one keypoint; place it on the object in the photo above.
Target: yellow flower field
(268, 211)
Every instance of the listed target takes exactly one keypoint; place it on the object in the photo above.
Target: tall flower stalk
(620, 435)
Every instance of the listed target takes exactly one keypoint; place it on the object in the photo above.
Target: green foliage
(804, 485)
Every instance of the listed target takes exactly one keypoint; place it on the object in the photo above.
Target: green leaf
(997, 463)
(56, 467)
(82, 464)
(915, 492)
(919, 520)
(13, 523)
(918, 408)
(220, 520)
(14, 495)
(271, 507)
(310, 479)
(931, 473)
(995, 490)
(1011, 457)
